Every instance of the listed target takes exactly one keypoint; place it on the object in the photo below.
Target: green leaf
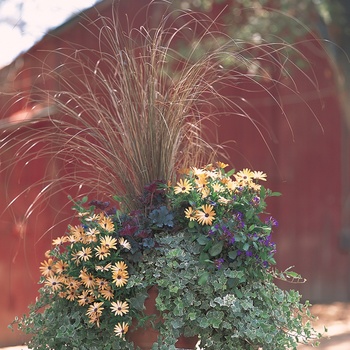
(232, 254)
(275, 194)
(204, 257)
(216, 249)
(249, 214)
(230, 173)
(246, 246)
(192, 315)
(262, 192)
(191, 224)
(251, 228)
(117, 198)
(238, 293)
(202, 240)
(203, 278)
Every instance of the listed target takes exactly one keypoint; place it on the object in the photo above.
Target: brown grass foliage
(139, 110)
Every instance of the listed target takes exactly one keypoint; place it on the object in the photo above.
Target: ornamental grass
(131, 126)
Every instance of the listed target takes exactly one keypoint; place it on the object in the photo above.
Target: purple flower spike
(219, 262)
(271, 221)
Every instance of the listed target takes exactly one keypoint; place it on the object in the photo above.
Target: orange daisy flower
(120, 307)
(61, 267)
(47, 268)
(259, 175)
(95, 310)
(244, 176)
(84, 254)
(60, 240)
(206, 215)
(119, 266)
(121, 329)
(54, 283)
(221, 165)
(107, 293)
(124, 243)
(183, 186)
(190, 214)
(106, 223)
(102, 252)
(85, 298)
(120, 278)
(87, 279)
(108, 242)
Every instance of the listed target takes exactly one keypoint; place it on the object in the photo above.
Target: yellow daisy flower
(201, 181)
(213, 174)
(102, 252)
(101, 283)
(75, 257)
(62, 295)
(190, 214)
(206, 215)
(124, 243)
(205, 192)
(106, 223)
(254, 186)
(244, 176)
(95, 319)
(223, 200)
(47, 268)
(107, 293)
(94, 217)
(103, 268)
(119, 266)
(108, 242)
(259, 175)
(85, 298)
(95, 310)
(54, 283)
(61, 267)
(60, 240)
(71, 283)
(120, 278)
(81, 215)
(197, 171)
(84, 254)
(78, 230)
(231, 185)
(221, 165)
(217, 187)
(72, 295)
(121, 329)
(90, 239)
(92, 232)
(87, 279)
(183, 186)
(77, 238)
(120, 308)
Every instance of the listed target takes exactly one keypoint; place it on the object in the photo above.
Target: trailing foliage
(204, 242)
(230, 307)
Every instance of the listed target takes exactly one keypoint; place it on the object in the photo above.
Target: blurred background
(294, 87)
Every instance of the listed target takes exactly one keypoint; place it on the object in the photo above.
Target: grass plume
(135, 109)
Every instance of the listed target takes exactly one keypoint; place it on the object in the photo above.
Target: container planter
(146, 336)
(202, 235)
